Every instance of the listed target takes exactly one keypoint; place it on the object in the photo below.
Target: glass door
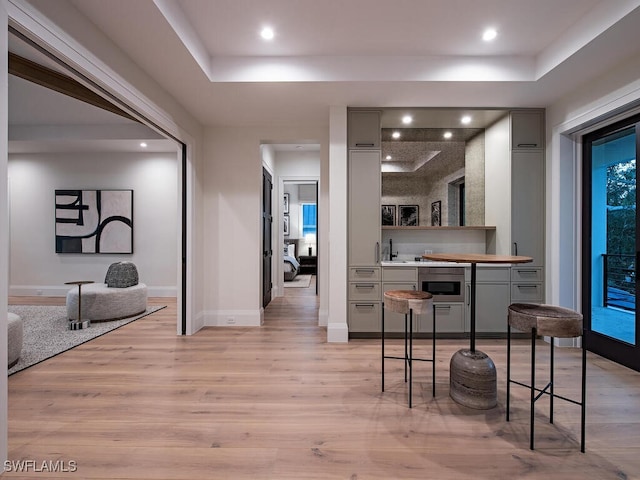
(610, 243)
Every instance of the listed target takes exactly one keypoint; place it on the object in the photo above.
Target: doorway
(611, 245)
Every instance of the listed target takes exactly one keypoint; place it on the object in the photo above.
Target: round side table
(79, 324)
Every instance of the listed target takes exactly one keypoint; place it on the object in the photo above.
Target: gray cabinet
(401, 278)
(449, 318)
(527, 284)
(363, 131)
(493, 296)
(527, 129)
(527, 205)
(364, 208)
(365, 288)
(364, 300)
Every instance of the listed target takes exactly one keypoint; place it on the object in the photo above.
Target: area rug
(301, 281)
(46, 332)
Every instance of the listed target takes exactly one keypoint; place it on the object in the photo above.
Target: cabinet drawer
(526, 292)
(399, 274)
(364, 273)
(364, 317)
(449, 318)
(364, 291)
(526, 274)
(491, 274)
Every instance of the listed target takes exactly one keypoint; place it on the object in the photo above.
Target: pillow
(291, 250)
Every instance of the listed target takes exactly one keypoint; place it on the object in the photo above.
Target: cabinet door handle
(365, 270)
(377, 252)
(365, 144)
(515, 248)
(367, 285)
(443, 307)
(527, 286)
(526, 271)
(468, 294)
(365, 305)
(527, 145)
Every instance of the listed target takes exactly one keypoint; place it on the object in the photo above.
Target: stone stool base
(473, 380)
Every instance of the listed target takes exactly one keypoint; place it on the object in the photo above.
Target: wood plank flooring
(278, 402)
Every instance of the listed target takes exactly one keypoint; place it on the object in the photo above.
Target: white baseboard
(337, 333)
(323, 318)
(61, 291)
(232, 318)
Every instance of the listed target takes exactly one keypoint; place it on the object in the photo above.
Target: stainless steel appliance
(446, 284)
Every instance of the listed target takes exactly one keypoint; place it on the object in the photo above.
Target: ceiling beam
(48, 78)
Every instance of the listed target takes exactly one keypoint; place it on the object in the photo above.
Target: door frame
(615, 350)
(279, 258)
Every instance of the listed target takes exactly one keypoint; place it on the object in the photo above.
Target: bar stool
(409, 302)
(554, 322)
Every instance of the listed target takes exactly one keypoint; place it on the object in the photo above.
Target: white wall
(35, 268)
(232, 184)
(598, 101)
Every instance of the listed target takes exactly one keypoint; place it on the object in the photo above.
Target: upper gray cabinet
(364, 129)
(527, 129)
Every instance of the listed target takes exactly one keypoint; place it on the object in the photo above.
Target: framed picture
(286, 203)
(388, 215)
(408, 216)
(286, 225)
(94, 221)
(436, 221)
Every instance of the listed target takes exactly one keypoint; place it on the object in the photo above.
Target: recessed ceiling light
(395, 134)
(447, 135)
(489, 34)
(466, 119)
(267, 33)
(388, 157)
(407, 119)
(143, 144)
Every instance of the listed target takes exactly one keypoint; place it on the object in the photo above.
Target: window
(309, 219)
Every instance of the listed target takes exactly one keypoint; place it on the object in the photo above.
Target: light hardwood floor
(279, 402)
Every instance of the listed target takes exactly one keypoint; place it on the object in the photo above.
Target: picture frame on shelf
(408, 216)
(436, 218)
(286, 203)
(388, 215)
(286, 225)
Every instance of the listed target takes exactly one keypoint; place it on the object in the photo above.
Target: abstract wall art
(94, 221)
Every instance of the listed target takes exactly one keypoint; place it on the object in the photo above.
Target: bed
(291, 266)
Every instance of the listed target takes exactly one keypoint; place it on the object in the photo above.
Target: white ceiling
(208, 54)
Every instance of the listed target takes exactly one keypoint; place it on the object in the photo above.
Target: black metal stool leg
(405, 348)
(584, 396)
(508, 367)
(410, 356)
(533, 385)
(382, 337)
(433, 355)
(551, 380)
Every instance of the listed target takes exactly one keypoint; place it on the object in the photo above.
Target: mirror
(433, 168)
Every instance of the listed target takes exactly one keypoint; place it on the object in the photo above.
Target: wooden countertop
(476, 258)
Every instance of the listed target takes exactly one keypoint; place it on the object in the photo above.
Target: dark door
(611, 247)
(267, 250)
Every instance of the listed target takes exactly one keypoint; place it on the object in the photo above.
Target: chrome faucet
(391, 254)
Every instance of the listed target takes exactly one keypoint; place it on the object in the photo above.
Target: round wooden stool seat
(401, 301)
(548, 320)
